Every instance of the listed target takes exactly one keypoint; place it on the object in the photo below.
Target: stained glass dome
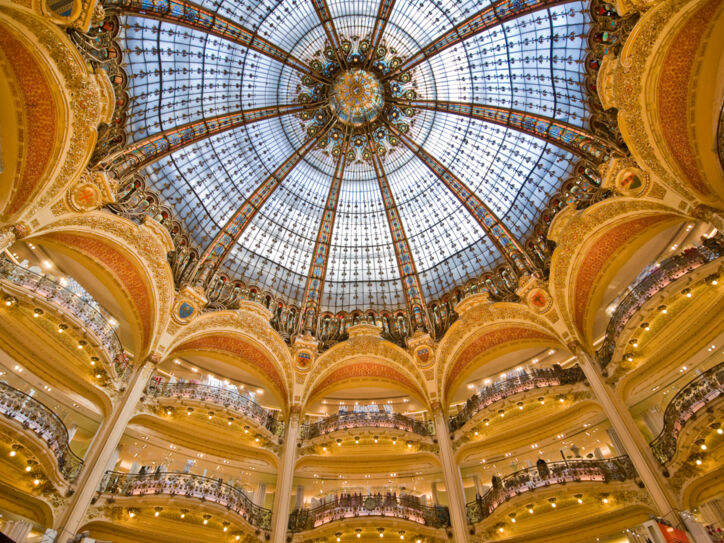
(356, 154)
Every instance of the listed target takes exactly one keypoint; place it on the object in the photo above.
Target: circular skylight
(370, 175)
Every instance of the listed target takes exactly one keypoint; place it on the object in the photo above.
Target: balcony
(355, 506)
(44, 423)
(229, 399)
(556, 473)
(528, 380)
(668, 271)
(189, 486)
(86, 311)
(381, 419)
(696, 395)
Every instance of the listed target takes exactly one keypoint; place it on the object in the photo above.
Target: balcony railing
(668, 271)
(190, 486)
(372, 505)
(529, 479)
(220, 396)
(91, 317)
(696, 395)
(529, 380)
(39, 418)
(366, 420)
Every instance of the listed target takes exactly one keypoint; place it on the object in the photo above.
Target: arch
(667, 87)
(25, 505)
(242, 338)
(55, 104)
(592, 246)
(703, 488)
(130, 260)
(364, 356)
(484, 331)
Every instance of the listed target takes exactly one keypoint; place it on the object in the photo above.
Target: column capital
(436, 407)
(295, 409)
(154, 358)
(11, 233)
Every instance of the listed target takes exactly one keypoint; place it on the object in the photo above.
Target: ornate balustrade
(357, 505)
(230, 399)
(696, 395)
(529, 479)
(84, 310)
(190, 486)
(529, 380)
(668, 271)
(39, 418)
(366, 420)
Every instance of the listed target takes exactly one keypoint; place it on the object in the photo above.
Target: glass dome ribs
(355, 155)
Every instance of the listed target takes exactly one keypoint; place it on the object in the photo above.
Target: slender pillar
(260, 494)
(17, 530)
(283, 491)
(299, 497)
(451, 473)
(629, 436)
(102, 450)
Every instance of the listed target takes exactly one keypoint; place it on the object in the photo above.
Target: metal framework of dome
(355, 156)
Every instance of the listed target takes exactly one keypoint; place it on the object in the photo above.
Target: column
(479, 490)
(434, 496)
(451, 473)
(283, 491)
(17, 530)
(260, 494)
(628, 435)
(102, 450)
(299, 497)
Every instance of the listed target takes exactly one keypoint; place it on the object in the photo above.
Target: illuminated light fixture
(553, 502)
(713, 279)
(131, 514)
(257, 437)
(206, 518)
(324, 449)
(28, 469)
(169, 410)
(10, 301)
(605, 498)
(230, 420)
(487, 422)
(157, 511)
(394, 441)
(226, 525)
(12, 453)
(698, 461)
(260, 391)
(36, 482)
(246, 429)
(703, 447)
(211, 415)
(183, 513)
(663, 309)
(645, 326)
(82, 343)
(579, 497)
(686, 292)
(529, 507)
(99, 375)
(542, 400)
(189, 410)
(629, 357)
(339, 442)
(381, 532)
(501, 412)
(376, 438)
(356, 440)
(409, 444)
(512, 517)
(476, 432)
(358, 531)
(402, 534)
(338, 535)
(37, 312)
(501, 529)
(93, 360)
(520, 405)
(561, 398)
(62, 327)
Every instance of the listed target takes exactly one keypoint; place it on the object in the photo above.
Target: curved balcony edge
(55, 294)
(642, 291)
(228, 399)
(503, 489)
(382, 419)
(190, 486)
(44, 423)
(529, 380)
(697, 394)
(358, 506)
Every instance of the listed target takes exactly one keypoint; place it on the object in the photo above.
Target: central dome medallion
(356, 97)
